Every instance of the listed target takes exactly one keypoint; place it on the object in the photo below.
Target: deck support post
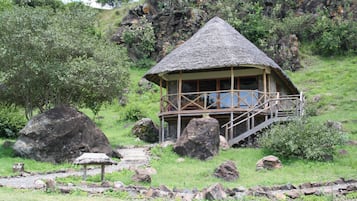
(265, 84)
(161, 110)
(178, 126)
(179, 106)
(232, 102)
(232, 129)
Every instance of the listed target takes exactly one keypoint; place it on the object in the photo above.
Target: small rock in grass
(118, 184)
(39, 184)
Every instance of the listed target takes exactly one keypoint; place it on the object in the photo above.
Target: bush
(302, 138)
(334, 36)
(133, 113)
(11, 121)
(140, 39)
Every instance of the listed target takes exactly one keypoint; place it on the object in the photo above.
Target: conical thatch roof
(216, 45)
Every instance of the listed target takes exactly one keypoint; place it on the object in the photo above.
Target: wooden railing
(280, 107)
(214, 100)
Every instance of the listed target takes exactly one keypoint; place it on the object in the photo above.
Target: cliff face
(174, 21)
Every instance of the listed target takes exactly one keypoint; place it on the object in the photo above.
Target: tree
(114, 3)
(49, 58)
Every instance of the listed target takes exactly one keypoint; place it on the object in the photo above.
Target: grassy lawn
(334, 80)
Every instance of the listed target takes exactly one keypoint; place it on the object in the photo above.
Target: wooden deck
(240, 107)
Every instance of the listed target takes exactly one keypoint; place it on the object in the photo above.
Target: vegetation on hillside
(50, 57)
(330, 78)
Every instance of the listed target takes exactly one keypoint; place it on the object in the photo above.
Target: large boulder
(146, 130)
(61, 134)
(200, 139)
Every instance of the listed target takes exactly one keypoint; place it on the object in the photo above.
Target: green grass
(111, 19)
(194, 173)
(334, 79)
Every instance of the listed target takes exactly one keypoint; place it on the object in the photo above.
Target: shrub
(133, 113)
(11, 121)
(302, 138)
(140, 39)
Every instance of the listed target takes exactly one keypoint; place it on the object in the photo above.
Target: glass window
(248, 98)
(207, 85)
(189, 86)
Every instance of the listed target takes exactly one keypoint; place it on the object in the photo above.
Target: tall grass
(334, 80)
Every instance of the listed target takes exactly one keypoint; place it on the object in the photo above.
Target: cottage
(218, 72)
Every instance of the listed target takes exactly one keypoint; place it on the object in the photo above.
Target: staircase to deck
(274, 110)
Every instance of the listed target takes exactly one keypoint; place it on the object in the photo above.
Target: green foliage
(140, 39)
(115, 3)
(302, 138)
(54, 4)
(133, 113)
(334, 36)
(49, 58)
(11, 121)
(351, 196)
(5, 5)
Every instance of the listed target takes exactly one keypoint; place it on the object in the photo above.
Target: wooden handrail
(264, 107)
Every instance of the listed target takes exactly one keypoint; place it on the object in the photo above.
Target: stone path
(132, 158)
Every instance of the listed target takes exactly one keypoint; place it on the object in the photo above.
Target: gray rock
(269, 163)
(7, 144)
(309, 191)
(223, 144)
(118, 184)
(227, 171)
(61, 134)
(293, 194)
(39, 184)
(200, 139)
(146, 130)
(335, 125)
(50, 185)
(215, 192)
(141, 178)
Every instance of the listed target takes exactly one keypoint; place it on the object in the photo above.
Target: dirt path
(132, 157)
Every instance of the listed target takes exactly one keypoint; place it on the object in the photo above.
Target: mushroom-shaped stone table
(94, 159)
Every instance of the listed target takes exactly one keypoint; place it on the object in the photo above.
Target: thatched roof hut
(215, 46)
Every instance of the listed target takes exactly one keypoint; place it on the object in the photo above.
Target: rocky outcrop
(172, 23)
(269, 163)
(227, 171)
(61, 135)
(146, 130)
(287, 53)
(200, 139)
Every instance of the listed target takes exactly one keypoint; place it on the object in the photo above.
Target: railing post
(231, 130)
(205, 101)
(301, 104)
(226, 133)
